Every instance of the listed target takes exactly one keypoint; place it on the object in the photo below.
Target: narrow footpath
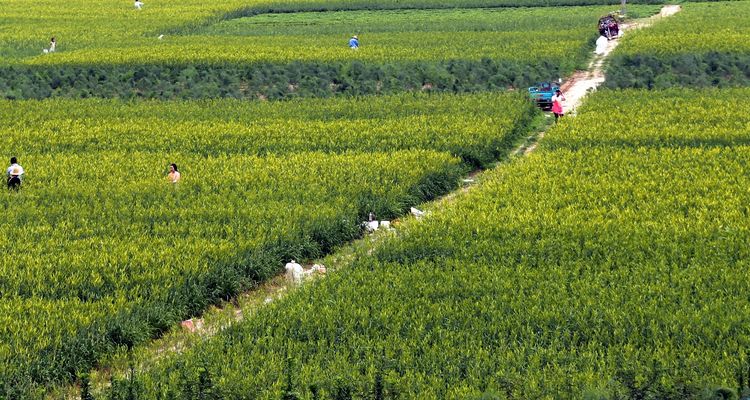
(578, 85)
(216, 319)
(582, 82)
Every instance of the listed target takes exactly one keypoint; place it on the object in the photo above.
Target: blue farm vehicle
(542, 93)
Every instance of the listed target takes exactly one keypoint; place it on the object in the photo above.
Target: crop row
(100, 251)
(381, 124)
(378, 47)
(615, 270)
(703, 45)
(689, 119)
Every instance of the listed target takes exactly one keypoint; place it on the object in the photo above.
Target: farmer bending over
(354, 43)
(15, 173)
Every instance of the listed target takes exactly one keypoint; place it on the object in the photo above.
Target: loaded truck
(542, 93)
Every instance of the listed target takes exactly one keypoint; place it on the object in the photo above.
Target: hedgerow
(705, 45)
(269, 81)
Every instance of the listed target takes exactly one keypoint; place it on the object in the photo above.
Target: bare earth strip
(214, 320)
(583, 82)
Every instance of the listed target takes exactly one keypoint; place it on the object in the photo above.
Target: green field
(100, 251)
(386, 36)
(608, 264)
(603, 267)
(28, 24)
(705, 45)
(304, 54)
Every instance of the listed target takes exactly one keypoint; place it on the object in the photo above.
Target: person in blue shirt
(354, 42)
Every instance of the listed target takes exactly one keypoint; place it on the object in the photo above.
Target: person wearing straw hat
(15, 174)
(354, 42)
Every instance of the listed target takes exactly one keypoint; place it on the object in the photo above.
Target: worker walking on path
(354, 43)
(14, 174)
(557, 107)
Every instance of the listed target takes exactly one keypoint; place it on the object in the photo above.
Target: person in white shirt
(138, 4)
(557, 107)
(52, 44)
(174, 175)
(15, 173)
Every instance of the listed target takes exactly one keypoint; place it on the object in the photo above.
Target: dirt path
(582, 82)
(214, 320)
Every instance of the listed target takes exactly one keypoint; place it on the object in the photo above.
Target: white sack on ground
(294, 272)
(601, 45)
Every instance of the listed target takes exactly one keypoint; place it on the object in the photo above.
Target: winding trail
(581, 83)
(216, 319)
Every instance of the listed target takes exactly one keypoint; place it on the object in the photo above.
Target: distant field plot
(386, 36)
(100, 251)
(28, 24)
(605, 271)
(705, 44)
(305, 54)
(429, 20)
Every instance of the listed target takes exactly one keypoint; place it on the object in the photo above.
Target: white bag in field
(416, 212)
(294, 272)
(370, 226)
(601, 45)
